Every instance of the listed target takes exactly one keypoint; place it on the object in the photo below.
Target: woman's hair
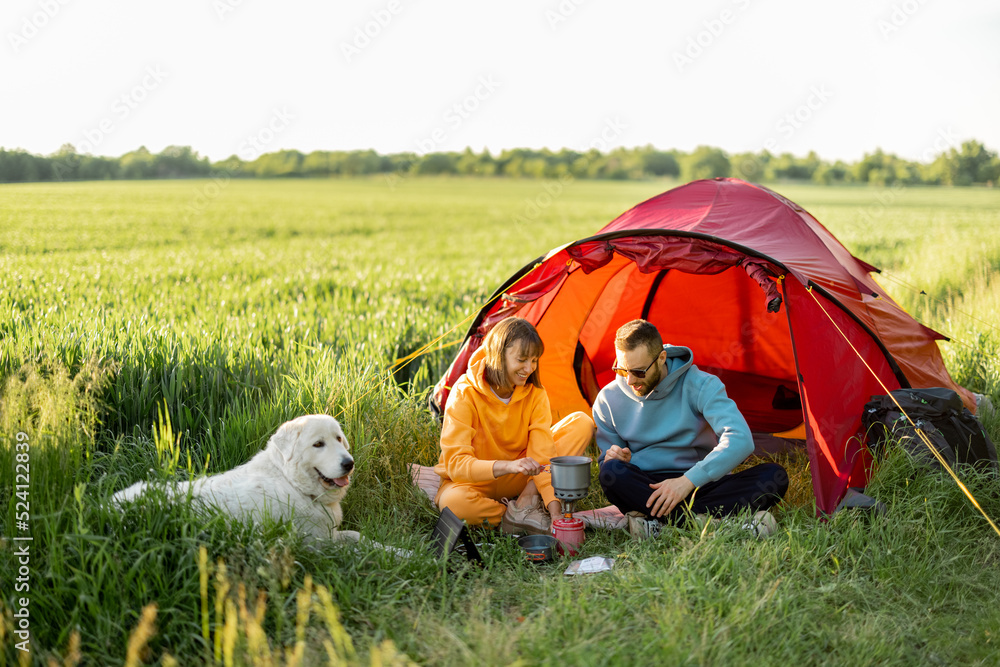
(511, 331)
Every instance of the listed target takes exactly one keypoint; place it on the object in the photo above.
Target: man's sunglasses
(639, 375)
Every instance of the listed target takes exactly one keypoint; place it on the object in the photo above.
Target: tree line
(971, 163)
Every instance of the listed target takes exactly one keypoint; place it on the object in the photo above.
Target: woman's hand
(526, 466)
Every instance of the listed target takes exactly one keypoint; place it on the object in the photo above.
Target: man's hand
(667, 494)
(623, 454)
(526, 466)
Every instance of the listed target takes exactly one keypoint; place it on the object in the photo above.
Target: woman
(497, 436)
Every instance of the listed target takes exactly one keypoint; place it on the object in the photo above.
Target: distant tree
(705, 162)
(360, 163)
(969, 164)
(180, 162)
(881, 168)
(658, 163)
(580, 167)
(21, 166)
(512, 164)
(535, 167)
(436, 164)
(751, 166)
(96, 168)
(481, 164)
(278, 164)
(317, 163)
(973, 163)
(232, 167)
(137, 164)
(788, 167)
(65, 163)
(828, 174)
(401, 163)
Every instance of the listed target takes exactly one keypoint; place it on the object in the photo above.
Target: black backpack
(940, 414)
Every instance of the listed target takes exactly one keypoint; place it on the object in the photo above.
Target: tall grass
(140, 339)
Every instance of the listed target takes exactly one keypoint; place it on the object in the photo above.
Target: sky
(246, 77)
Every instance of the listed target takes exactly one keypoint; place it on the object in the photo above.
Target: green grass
(161, 329)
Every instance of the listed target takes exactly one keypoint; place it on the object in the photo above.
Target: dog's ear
(284, 438)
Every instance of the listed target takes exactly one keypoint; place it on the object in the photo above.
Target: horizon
(944, 140)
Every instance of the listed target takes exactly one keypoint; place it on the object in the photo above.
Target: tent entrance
(722, 317)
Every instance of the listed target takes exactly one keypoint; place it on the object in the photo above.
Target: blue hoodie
(686, 423)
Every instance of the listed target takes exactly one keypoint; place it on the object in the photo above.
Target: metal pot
(537, 548)
(570, 476)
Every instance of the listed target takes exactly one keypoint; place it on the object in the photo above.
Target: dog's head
(313, 454)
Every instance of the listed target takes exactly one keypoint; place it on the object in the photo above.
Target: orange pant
(476, 502)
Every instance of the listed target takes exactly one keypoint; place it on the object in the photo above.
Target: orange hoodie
(479, 429)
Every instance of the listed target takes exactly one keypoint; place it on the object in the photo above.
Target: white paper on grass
(590, 565)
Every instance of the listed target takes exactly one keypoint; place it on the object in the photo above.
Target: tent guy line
(405, 361)
(914, 288)
(920, 431)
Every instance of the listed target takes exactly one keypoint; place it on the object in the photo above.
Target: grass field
(165, 329)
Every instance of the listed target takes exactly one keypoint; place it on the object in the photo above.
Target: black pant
(757, 488)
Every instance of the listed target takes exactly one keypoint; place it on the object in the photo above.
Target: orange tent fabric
(754, 285)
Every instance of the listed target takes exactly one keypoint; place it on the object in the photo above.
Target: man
(669, 437)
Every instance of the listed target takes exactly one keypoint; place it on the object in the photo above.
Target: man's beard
(650, 381)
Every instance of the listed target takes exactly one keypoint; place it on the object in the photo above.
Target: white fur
(282, 481)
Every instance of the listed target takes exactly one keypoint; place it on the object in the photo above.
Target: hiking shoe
(761, 524)
(641, 527)
(530, 520)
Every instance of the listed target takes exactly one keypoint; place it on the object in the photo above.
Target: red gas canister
(569, 533)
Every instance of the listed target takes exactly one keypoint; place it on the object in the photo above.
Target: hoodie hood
(679, 360)
(476, 377)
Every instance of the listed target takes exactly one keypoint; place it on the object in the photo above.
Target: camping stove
(570, 480)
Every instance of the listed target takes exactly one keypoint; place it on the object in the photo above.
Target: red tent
(756, 287)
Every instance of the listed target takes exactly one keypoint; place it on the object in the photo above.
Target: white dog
(303, 474)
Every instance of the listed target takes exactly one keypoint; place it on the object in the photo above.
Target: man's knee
(772, 480)
(612, 473)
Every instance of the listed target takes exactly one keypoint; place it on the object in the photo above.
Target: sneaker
(702, 521)
(530, 520)
(641, 527)
(761, 524)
